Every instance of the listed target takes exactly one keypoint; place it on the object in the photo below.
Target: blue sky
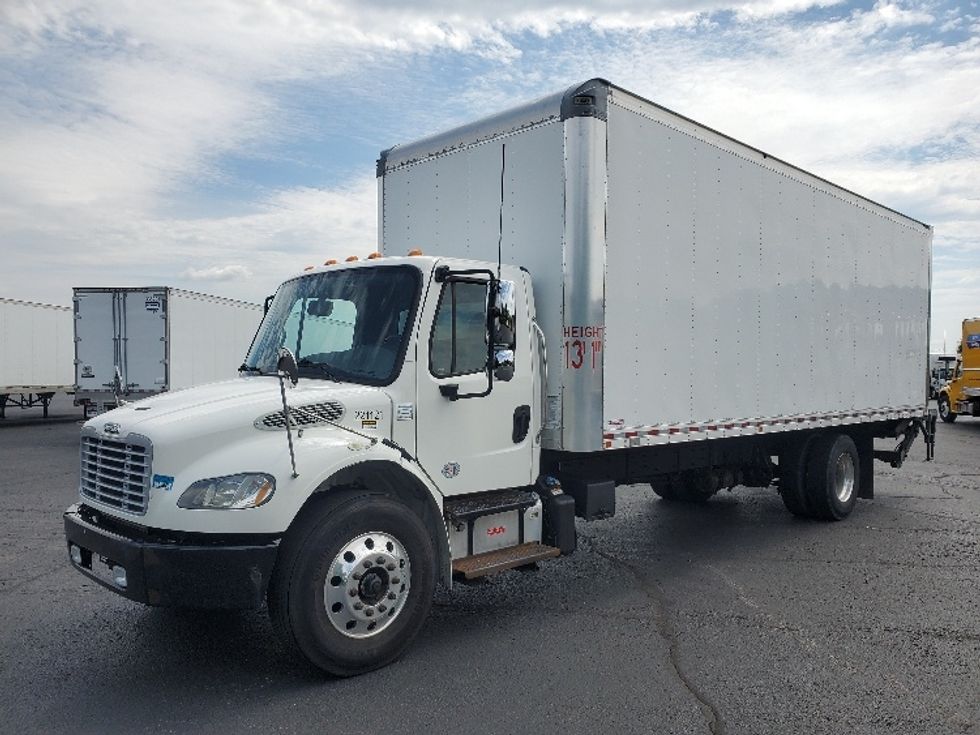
(221, 146)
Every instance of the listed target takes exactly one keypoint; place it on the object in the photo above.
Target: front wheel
(353, 584)
(946, 412)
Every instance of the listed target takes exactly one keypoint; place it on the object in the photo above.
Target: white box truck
(409, 419)
(133, 342)
(35, 353)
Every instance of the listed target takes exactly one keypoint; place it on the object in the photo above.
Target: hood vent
(314, 414)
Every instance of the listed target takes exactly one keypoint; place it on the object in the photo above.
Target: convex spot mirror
(503, 330)
(503, 364)
(287, 365)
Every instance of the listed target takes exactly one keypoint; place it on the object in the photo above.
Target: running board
(501, 560)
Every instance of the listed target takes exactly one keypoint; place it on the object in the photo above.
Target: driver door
(480, 443)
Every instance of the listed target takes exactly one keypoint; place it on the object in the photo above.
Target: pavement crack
(667, 630)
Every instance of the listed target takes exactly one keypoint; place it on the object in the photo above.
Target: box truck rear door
(145, 341)
(95, 340)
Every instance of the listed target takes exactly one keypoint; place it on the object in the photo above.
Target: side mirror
(503, 330)
(287, 365)
(504, 307)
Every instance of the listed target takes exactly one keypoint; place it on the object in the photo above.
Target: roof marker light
(415, 251)
(309, 268)
(374, 256)
(350, 258)
(332, 261)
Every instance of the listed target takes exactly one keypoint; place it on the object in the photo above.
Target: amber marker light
(309, 268)
(350, 258)
(332, 261)
(374, 256)
(415, 251)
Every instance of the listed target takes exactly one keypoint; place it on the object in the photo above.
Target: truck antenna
(500, 224)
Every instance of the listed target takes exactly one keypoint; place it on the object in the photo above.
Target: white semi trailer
(35, 353)
(131, 343)
(405, 420)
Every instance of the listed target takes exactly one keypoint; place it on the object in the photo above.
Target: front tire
(833, 473)
(353, 584)
(946, 412)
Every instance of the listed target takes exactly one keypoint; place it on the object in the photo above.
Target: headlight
(247, 490)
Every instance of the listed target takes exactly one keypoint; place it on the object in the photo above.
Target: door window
(459, 335)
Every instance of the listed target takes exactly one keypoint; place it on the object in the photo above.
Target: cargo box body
(689, 286)
(35, 347)
(161, 339)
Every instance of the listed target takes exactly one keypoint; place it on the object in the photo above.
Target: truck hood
(250, 403)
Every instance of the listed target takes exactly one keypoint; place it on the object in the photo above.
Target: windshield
(350, 325)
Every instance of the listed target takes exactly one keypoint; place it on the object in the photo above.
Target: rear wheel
(353, 584)
(832, 477)
(946, 412)
(792, 477)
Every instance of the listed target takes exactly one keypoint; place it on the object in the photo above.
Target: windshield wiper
(243, 368)
(324, 369)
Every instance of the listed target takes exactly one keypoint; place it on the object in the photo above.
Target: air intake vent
(314, 414)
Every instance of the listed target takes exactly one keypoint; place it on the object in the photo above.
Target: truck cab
(961, 395)
(399, 445)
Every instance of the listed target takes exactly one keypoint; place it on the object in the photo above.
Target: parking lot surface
(731, 617)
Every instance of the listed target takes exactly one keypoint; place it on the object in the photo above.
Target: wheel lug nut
(352, 593)
(381, 608)
(369, 612)
(395, 580)
(390, 567)
(357, 575)
(380, 561)
(367, 563)
(358, 605)
(392, 595)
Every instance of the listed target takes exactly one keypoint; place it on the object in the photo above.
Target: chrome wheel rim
(367, 585)
(845, 477)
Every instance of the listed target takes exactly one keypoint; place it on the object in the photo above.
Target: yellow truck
(961, 395)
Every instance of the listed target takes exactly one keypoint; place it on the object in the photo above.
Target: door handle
(522, 423)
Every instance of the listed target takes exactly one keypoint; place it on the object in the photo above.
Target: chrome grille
(116, 473)
(311, 415)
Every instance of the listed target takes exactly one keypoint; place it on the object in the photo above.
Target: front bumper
(168, 569)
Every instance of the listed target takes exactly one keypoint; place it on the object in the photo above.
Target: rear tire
(792, 478)
(833, 475)
(946, 412)
(319, 608)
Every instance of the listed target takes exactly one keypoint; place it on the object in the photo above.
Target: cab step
(501, 560)
(461, 510)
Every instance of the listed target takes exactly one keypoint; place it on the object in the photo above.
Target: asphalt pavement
(732, 617)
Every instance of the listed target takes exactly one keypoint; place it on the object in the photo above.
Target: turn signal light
(415, 251)
(350, 258)
(374, 256)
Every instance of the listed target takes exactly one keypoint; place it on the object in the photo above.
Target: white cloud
(116, 113)
(232, 272)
